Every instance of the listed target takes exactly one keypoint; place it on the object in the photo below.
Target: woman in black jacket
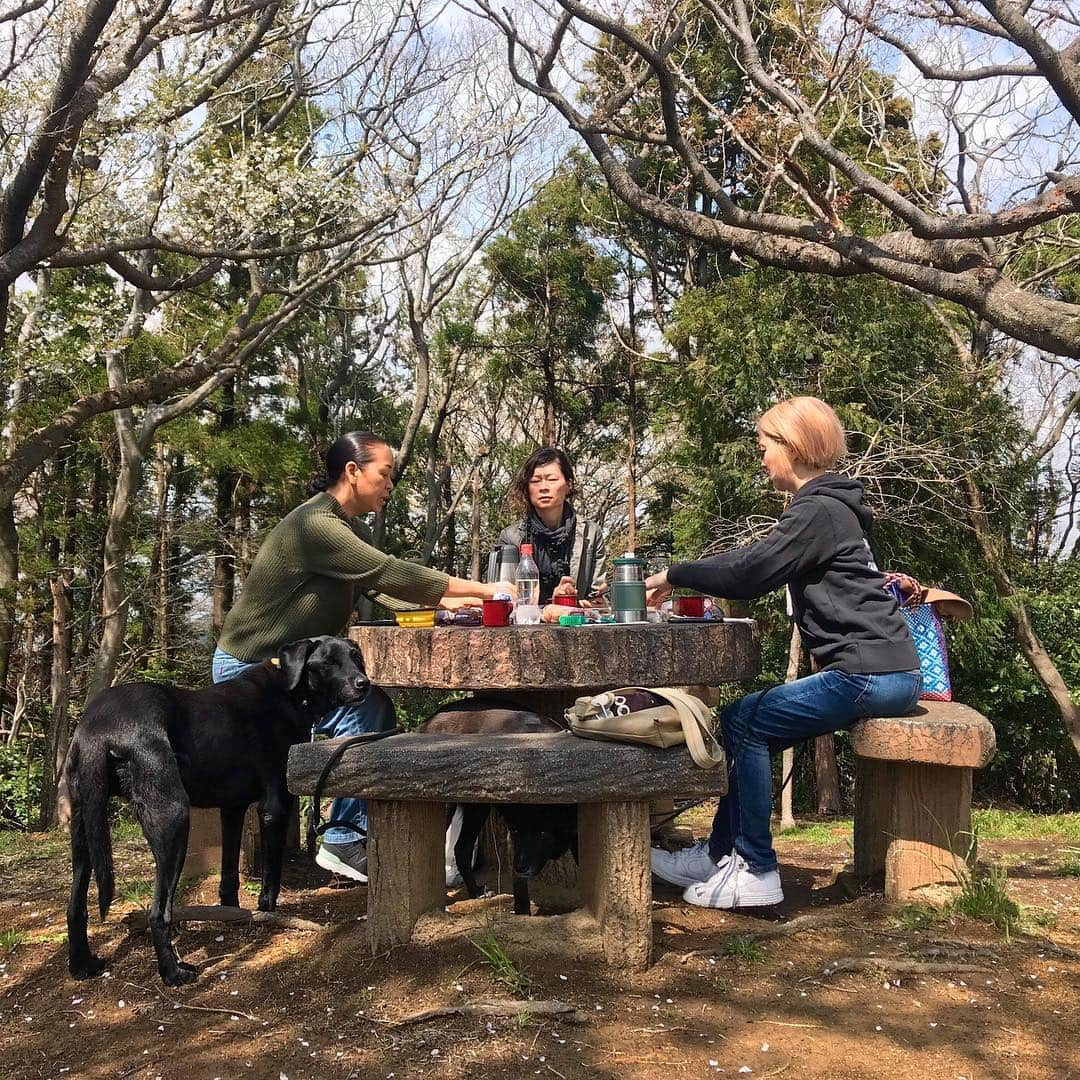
(568, 548)
(866, 660)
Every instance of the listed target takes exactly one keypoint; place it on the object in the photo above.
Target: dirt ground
(291, 1005)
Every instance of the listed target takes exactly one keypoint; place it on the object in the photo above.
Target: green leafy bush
(20, 784)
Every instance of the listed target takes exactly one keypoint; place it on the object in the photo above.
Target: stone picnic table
(409, 779)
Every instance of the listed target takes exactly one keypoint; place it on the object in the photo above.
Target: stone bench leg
(912, 823)
(613, 843)
(406, 875)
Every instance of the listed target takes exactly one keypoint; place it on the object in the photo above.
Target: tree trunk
(9, 543)
(164, 541)
(450, 555)
(631, 412)
(173, 556)
(243, 534)
(474, 529)
(56, 744)
(150, 595)
(1030, 645)
(787, 816)
(826, 775)
(9, 578)
(222, 587)
(549, 399)
(98, 500)
(114, 600)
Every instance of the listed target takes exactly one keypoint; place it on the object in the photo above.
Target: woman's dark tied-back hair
(357, 446)
(546, 455)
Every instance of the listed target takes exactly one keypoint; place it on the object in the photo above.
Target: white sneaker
(735, 885)
(453, 874)
(687, 867)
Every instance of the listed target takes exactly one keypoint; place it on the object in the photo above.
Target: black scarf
(552, 548)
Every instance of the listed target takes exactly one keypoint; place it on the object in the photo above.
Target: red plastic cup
(565, 601)
(689, 607)
(497, 612)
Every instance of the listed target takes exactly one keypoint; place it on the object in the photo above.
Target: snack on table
(551, 613)
(417, 619)
(466, 616)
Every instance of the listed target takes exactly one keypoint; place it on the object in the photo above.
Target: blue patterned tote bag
(920, 608)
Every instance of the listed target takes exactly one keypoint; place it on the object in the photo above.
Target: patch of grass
(135, 890)
(743, 950)
(1070, 865)
(983, 896)
(18, 848)
(252, 888)
(57, 937)
(503, 969)
(1042, 918)
(994, 824)
(125, 827)
(11, 938)
(820, 832)
(917, 917)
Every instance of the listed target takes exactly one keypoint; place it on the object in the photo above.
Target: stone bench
(913, 794)
(408, 781)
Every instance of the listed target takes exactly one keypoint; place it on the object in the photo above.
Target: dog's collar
(305, 702)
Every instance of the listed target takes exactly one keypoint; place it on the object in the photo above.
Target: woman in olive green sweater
(305, 581)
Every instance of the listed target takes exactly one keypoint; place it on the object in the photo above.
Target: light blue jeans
(345, 720)
(768, 721)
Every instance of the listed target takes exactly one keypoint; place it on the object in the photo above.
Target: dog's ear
(292, 658)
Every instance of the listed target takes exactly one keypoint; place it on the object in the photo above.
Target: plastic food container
(416, 620)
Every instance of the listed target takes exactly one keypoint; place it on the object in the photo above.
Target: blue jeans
(768, 721)
(346, 720)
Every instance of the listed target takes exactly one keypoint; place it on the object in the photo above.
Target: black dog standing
(166, 749)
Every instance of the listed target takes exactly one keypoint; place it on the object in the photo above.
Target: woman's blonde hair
(809, 428)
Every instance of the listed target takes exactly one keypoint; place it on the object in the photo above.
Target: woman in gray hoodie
(852, 627)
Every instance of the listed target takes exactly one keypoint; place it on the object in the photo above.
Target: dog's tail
(87, 773)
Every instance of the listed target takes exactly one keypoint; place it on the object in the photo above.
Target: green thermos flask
(628, 590)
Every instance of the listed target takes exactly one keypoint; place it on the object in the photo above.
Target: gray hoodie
(819, 550)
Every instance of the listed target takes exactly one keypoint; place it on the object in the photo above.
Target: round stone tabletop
(555, 658)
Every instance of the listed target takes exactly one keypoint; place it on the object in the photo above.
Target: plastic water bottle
(527, 580)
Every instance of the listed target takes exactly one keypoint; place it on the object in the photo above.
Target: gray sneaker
(349, 859)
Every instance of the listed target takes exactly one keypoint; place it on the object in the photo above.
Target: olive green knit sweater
(305, 580)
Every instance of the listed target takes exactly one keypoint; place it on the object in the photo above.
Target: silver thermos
(502, 563)
(628, 590)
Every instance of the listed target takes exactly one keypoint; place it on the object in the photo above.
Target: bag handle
(700, 741)
(691, 711)
(907, 591)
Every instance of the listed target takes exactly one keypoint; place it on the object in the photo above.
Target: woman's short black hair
(355, 446)
(546, 455)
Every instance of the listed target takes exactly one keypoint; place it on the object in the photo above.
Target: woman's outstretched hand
(657, 589)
